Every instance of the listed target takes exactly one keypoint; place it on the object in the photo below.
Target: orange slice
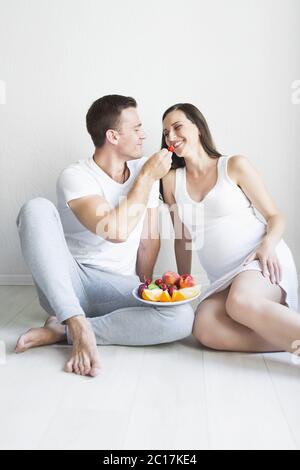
(165, 296)
(177, 296)
(153, 295)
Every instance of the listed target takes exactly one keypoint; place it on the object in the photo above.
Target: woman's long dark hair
(196, 117)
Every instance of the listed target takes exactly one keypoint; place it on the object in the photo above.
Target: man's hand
(158, 165)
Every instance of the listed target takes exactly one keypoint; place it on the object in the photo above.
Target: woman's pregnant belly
(226, 241)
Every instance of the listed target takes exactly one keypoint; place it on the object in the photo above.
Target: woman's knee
(238, 304)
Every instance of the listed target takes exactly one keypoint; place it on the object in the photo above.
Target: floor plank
(243, 409)
(169, 405)
(284, 372)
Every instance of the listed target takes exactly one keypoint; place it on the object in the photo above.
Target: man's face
(131, 134)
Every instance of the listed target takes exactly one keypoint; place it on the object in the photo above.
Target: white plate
(162, 304)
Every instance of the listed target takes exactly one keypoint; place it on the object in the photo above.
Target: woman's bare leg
(256, 303)
(216, 330)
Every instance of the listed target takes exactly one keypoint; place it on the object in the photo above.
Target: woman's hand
(267, 257)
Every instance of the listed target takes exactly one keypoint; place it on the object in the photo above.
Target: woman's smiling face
(180, 132)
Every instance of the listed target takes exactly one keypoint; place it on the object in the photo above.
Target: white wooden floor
(176, 396)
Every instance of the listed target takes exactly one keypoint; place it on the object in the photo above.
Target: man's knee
(178, 321)
(34, 208)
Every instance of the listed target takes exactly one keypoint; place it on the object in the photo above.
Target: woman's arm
(183, 257)
(243, 173)
(182, 242)
(149, 245)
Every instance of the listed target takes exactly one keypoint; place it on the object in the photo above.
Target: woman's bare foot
(52, 332)
(85, 357)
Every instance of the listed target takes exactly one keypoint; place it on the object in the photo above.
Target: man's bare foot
(52, 332)
(85, 358)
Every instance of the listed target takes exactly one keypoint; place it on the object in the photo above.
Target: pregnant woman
(251, 304)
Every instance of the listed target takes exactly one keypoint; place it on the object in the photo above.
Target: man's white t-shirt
(85, 178)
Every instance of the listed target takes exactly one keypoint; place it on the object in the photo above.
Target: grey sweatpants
(67, 288)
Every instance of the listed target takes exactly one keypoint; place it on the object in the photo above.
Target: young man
(87, 256)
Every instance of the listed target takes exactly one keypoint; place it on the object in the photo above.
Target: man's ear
(112, 136)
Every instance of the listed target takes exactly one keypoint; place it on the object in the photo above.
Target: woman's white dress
(225, 229)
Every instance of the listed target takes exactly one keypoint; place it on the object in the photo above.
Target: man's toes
(76, 366)
(69, 366)
(95, 369)
(86, 365)
(81, 367)
(20, 344)
(24, 342)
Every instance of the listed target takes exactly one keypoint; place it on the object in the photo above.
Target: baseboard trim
(26, 280)
(16, 280)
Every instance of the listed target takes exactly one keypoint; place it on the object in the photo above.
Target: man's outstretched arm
(117, 223)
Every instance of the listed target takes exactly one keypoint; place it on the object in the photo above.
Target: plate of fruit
(170, 289)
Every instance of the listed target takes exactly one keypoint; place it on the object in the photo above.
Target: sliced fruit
(165, 296)
(189, 292)
(153, 286)
(154, 295)
(177, 296)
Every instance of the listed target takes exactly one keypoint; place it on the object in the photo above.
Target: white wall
(236, 60)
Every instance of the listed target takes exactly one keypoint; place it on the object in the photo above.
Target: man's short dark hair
(105, 114)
